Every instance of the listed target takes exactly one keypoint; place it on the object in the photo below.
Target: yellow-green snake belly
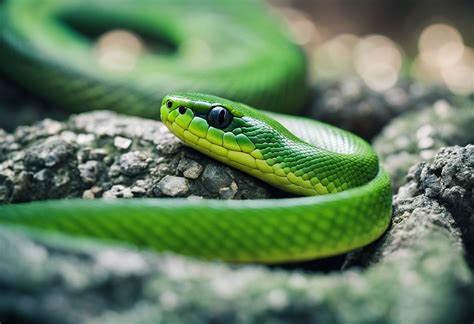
(346, 199)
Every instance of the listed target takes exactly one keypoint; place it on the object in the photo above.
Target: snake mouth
(222, 145)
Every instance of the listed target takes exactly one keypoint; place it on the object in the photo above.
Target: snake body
(347, 196)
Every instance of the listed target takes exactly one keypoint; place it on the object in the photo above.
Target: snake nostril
(182, 110)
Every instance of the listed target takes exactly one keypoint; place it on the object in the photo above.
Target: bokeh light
(378, 61)
(304, 31)
(333, 59)
(440, 45)
(118, 50)
(444, 58)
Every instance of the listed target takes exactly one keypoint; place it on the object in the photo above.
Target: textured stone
(133, 163)
(190, 168)
(416, 136)
(122, 142)
(35, 165)
(352, 105)
(173, 186)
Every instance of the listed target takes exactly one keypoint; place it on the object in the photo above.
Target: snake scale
(231, 49)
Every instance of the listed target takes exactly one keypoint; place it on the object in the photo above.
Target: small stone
(95, 190)
(88, 171)
(49, 153)
(214, 178)
(127, 193)
(114, 192)
(229, 192)
(98, 154)
(41, 175)
(173, 186)
(133, 163)
(85, 139)
(114, 171)
(190, 168)
(68, 136)
(169, 145)
(122, 142)
(138, 191)
(52, 126)
(88, 194)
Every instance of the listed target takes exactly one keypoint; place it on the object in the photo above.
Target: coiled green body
(349, 196)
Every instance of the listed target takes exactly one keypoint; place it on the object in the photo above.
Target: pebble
(190, 168)
(214, 178)
(229, 192)
(49, 153)
(122, 142)
(85, 139)
(114, 192)
(88, 171)
(133, 163)
(173, 186)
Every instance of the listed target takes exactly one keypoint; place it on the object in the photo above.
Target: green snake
(346, 195)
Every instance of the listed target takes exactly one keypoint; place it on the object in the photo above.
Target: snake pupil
(182, 110)
(169, 104)
(219, 117)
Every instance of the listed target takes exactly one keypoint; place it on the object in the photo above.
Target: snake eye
(220, 117)
(182, 110)
(169, 103)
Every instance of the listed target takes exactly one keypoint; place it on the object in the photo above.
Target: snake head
(234, 134)
(230, 132)
(207, 123)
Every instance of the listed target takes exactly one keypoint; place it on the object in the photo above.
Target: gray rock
(214, 178)
(134, 163)
(416, 273)
(437, 198)
(122, 142)
(190, 168)
(173, 186)
(416, 136)
(89, 171)
(352, 105)
(48, 154)
(80, 158)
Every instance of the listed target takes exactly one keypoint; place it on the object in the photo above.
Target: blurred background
(383, 41)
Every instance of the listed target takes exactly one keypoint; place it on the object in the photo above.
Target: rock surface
(417, 136)
(350, 104)
(102, 154)
(416, 273)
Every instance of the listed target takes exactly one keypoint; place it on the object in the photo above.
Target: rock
(133, 163)
(122, 142)
(416, 273)
(214, 178)
(437, 198)
(48, 154)
(173, 186)
(352, 105)
(82, 155)
(416, 136)
(190, 168)
(89, 171)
